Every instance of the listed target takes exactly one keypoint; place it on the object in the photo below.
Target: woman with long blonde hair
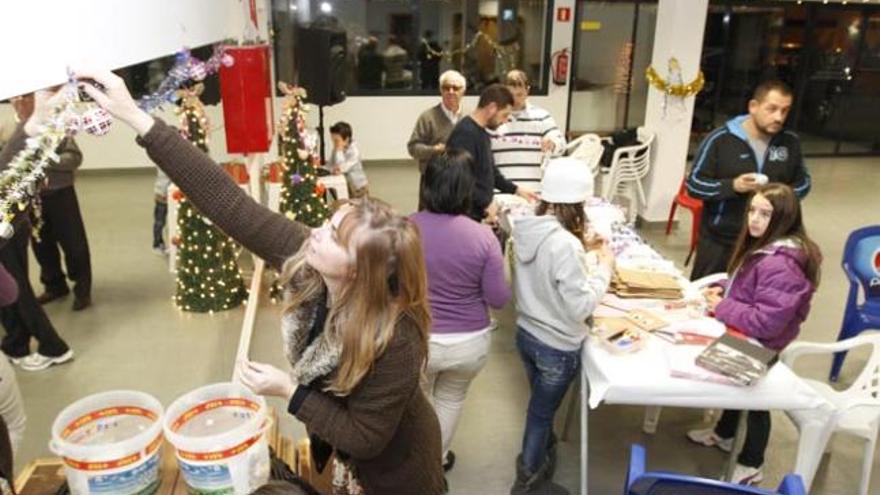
(356, 326)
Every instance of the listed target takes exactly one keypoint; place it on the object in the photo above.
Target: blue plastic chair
(861, 263)
(640, 482)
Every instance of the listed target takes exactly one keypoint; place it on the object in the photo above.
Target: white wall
(679, 33)
(42, 38)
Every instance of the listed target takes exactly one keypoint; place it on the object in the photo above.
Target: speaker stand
(321, 132)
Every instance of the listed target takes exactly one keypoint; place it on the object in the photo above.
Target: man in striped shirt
(531, 134)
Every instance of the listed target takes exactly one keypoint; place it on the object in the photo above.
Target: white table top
(644, 378)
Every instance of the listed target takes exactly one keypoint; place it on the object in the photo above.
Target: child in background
(345, 159)
(160, 211)
(774, 271)
(558, 282)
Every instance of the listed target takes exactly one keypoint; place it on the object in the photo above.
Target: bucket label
(210, 406)
(207, 480)
(107, 412)
(141, 480)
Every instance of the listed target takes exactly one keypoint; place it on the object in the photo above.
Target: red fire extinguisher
(560, 67)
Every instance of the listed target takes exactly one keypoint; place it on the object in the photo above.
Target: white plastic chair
(652, 413)
(587, 148)
(337, 183)
(854, 411)
(629, 165)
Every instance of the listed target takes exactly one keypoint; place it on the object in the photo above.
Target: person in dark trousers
(471, 134)
(25, 318)
(62, 227)
(63, 230)
(733, 161)
(773, 275)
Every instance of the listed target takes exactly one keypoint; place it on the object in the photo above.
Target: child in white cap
(556, 290)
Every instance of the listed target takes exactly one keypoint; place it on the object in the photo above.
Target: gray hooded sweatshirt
(555, 285)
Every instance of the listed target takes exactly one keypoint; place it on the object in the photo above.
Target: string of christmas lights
(501, 52)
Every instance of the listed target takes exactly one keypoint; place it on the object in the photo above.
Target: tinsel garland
(185, 68)
(679, 90)
(19, 181)
(499, 50)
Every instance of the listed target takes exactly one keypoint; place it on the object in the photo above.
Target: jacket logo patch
(876, 261)
(744, 156)
(777, 153)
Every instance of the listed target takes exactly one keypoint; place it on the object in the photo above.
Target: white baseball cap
(566, 180)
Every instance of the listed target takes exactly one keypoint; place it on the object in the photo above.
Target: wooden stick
(250, 316)
(253, 162)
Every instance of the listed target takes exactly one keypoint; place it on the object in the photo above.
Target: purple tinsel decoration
(184, 67)
(296, 179)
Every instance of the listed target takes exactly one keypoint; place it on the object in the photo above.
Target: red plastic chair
(695, 205)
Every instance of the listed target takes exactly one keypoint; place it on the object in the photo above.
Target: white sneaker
(745, 475)
(37, 361)
(708, 438)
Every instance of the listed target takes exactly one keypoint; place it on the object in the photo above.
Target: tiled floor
(135, 338)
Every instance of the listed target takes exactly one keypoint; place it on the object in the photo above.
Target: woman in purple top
(465, 278)
(773, 274)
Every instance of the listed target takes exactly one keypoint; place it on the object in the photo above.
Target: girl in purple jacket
(773, 272)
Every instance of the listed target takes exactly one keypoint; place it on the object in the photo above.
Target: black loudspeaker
(320, 64)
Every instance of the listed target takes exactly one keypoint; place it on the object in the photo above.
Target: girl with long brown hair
(356, 326)
(557, 285)
(773, 273)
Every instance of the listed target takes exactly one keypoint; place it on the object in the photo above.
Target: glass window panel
(604, 51)
(402, 46)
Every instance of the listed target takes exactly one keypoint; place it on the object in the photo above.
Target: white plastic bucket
(219, 433)
(110, 443)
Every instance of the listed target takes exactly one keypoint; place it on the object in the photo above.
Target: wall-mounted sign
(563, 14)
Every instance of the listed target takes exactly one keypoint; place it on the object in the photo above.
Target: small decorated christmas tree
(302, 197)
(208, 276)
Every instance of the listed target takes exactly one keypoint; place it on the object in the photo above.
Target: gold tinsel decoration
(679, 90)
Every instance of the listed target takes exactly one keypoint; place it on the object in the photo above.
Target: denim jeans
(549, 371)
(160, 210)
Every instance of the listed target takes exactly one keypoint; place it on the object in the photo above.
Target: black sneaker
(81, 303)
(448, 461)
(49, 296)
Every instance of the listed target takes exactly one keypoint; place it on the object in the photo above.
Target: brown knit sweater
(385, 425)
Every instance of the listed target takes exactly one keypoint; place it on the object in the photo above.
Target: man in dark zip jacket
(733, 161)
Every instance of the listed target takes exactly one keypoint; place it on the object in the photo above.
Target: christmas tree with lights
(208, 276)
(302, 197)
